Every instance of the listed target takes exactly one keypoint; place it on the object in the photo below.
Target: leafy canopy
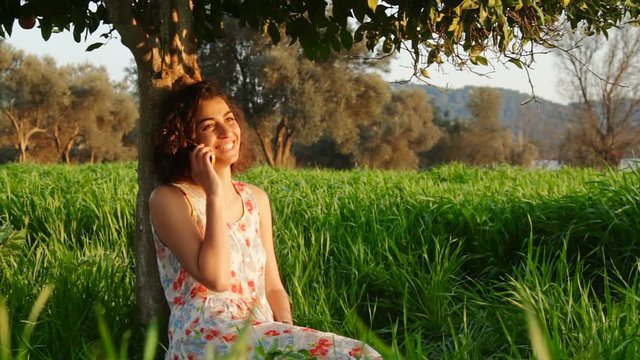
(434, 30)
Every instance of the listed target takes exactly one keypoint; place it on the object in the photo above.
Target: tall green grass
(453, 263)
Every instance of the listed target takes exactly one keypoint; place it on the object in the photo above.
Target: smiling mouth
(225, 147)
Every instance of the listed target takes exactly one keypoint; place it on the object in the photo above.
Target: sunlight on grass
(451, 263)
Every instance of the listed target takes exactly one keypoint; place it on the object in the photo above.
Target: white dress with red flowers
(202, 320)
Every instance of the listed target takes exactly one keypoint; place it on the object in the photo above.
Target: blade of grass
(5, 333)
(37, 308)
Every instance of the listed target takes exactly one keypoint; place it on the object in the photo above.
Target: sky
(115, 57)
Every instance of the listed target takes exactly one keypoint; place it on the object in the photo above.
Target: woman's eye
(230, 119)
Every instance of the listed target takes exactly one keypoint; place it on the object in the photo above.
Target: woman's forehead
(215, 107)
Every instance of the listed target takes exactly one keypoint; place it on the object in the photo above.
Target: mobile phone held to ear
(192, 145)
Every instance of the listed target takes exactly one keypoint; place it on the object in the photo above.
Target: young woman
(214, 242)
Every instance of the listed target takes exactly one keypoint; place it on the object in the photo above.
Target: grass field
(452, 263)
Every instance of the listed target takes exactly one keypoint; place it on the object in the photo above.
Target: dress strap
(187, 198)
(249, 201)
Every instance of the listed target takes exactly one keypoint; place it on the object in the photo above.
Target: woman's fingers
(201, 156)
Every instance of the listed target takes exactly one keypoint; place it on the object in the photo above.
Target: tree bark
(22, 135)
(278, 152)
(267, 147)
(165, 53)
(65, 151)
(284, 142)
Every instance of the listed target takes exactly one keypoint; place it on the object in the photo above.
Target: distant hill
(543, 122)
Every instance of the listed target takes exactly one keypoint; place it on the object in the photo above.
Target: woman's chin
(225, 160)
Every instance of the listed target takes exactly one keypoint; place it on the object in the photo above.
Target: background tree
(49, 110)
(162, 38)
(603, 80)
(34, 91)
(324, 100)
(106, 136)
(481, 139)
(287, 97)
(404, 129)
(98, 116)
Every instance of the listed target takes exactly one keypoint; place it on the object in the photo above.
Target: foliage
(33, 92)
(541, 122)
(440, 264)
(602, 76)
(290, 100)
(482, 139)
(404, 129)
(163, 37)
(50, 113)
(448, 29)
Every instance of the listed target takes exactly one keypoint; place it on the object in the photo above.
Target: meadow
(451, 263)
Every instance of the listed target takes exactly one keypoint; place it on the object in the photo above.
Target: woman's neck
(226, 180)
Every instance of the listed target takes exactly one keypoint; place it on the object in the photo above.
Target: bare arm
(275, 291)
(206, 257)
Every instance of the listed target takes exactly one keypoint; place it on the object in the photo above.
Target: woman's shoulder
(257, 192)
(164, 193)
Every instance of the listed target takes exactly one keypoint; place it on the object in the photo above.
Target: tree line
(67, 114)
(337, 112)
(341, 113)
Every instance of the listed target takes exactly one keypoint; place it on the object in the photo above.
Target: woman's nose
(223, 130)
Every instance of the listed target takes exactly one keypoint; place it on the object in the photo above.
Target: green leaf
(77, 34)
(346, 39)
(8, 25)
(334, 42)
(274, 32)
(340, 13)
(46, 27)
(359, 11)
(311, 52)
(324, 50)
(31, 322)
(94, 46)
(359, 34)
(260, 350)
(5, 332)
(124, 345)
(105, 335)
(516, 62)
(151, 341)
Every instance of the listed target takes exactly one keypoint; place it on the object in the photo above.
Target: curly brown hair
(176, 134)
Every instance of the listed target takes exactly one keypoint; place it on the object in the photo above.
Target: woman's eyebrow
(213, 117)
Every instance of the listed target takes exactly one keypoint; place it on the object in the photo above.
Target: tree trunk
(22, 155)
(279, 153)
(22, 135)
(66, 154)
(284, 142)
(267, 147)
(165, 53)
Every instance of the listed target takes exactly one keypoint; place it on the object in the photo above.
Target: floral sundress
(202, 320)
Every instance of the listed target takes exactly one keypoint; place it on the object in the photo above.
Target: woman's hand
(202, 170)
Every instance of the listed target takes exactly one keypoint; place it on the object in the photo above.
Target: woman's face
(217, 127)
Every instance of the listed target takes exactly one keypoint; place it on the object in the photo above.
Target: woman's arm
(276, 294)
(206, 257)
